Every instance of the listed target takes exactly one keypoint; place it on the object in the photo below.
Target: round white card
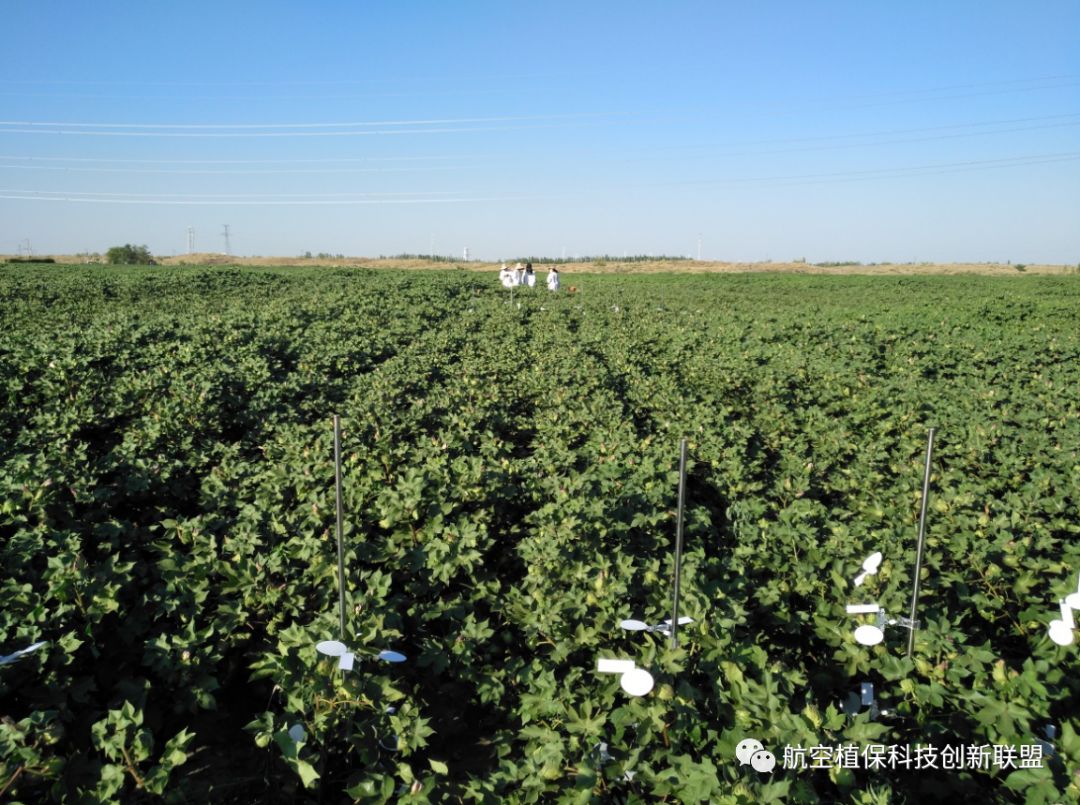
(637, 682)
(331, 648)
(869, 635)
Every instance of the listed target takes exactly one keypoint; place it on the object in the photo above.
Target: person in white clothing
(519, 273)
(506, 276)
(530, 276)
(553, 279)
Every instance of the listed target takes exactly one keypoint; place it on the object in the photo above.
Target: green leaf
(307, 772)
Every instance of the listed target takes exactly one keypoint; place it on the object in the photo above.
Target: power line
(575, 76)
(1071, 116)
(446, 168)
(347, 124)
(847, 146)
(306, 83)
(884, 173)
(280, 134)
(425, 93)
(239, 161)
(350, 194)
(1066, 120)
(1007, 86)
(229, 130)
(274, 172)
(71, 197)
(816, 178)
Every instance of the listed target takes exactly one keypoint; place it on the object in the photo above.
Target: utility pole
(227, 249)
(466, 254)
(699, 247)
(191, 240)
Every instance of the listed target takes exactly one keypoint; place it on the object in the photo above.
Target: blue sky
(768, 130)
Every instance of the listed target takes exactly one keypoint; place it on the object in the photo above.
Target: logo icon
(750, 750)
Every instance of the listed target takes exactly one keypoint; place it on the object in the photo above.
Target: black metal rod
(340, 518)
(678, 546)
(922, 541)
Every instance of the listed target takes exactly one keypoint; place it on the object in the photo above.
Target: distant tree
(129, 255)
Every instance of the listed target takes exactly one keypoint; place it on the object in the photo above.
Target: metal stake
(678, 545)
(922, 540)
(340, 518)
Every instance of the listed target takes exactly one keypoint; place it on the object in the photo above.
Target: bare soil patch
(616, 267)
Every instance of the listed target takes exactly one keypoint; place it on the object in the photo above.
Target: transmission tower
(226, 234)
(191, 240)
